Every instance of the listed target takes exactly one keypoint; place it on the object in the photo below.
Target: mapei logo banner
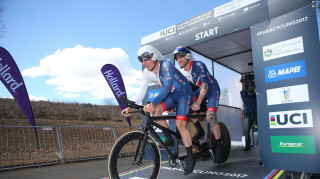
(282, 49)
(288, 94)
(293, 144)
(291, 119)
(285, 71)
(153, 94)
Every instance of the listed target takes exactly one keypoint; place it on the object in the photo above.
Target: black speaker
(249, 83)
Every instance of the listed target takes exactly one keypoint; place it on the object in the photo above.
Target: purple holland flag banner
(114, 79)
(11, 78)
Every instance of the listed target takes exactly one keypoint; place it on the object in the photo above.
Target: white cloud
(35, 98)
(76, 71)
(32, 98)
(7, 97)
(71, 95)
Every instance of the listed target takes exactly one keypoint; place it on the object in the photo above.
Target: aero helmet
(149, 52)
(182, 51)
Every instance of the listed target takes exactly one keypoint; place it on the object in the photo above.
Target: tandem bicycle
(137, 153)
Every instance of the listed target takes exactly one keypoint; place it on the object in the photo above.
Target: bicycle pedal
(211, 152)
(179, 162)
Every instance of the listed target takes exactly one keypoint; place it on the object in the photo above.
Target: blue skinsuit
(175, 92)
(200, 74)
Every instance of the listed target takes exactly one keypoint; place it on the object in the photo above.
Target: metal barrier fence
(20, 147)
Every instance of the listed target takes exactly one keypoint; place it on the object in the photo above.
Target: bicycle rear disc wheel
(121, 162)
(225, 136)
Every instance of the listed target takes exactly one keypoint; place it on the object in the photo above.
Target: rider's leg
(186, 139)
(169, 140)
(158, 112)
(183, 105)
(200, 132)
(214, 125)
(216, 131)
(185, 134)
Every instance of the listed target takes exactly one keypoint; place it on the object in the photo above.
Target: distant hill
(9, 109)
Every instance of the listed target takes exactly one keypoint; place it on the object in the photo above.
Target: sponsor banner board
(209, 25)
(235, 15)
(285, 71)
(288, 94)
(285, 57)
(232, 6)
(284, 48)
(291, 119)
(293, 144)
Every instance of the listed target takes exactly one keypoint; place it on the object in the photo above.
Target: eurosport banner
(286, 64)
(114, 79)
(227, 18)
(11, 78)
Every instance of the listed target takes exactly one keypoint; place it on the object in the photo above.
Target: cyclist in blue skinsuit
(208, 89)
(175, 92)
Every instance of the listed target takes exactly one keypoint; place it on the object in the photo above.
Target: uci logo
(168, 31)
(291, 119)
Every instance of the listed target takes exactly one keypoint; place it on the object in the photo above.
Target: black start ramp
(239, 165)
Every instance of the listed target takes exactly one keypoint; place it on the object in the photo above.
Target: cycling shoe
(219, 158)
(191, 162)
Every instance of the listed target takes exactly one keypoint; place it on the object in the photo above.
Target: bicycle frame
(150, 122)
(148, 127)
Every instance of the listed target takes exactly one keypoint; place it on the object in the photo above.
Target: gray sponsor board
(231, 17)
(288, 115)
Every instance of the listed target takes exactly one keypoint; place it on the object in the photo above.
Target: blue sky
(61, 45)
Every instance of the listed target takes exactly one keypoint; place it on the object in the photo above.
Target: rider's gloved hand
(150, 108)
(195, 106)
(125, 112)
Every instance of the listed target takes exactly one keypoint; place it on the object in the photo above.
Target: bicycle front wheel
(124, 156)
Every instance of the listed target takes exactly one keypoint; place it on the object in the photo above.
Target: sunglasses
(179, 55)
(145, 56)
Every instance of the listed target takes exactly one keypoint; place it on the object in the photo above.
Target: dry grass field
(64, 114)
(117, 122)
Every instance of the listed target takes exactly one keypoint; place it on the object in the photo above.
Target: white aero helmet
(147, 52)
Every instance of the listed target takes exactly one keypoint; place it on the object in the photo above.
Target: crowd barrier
(24, 146)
